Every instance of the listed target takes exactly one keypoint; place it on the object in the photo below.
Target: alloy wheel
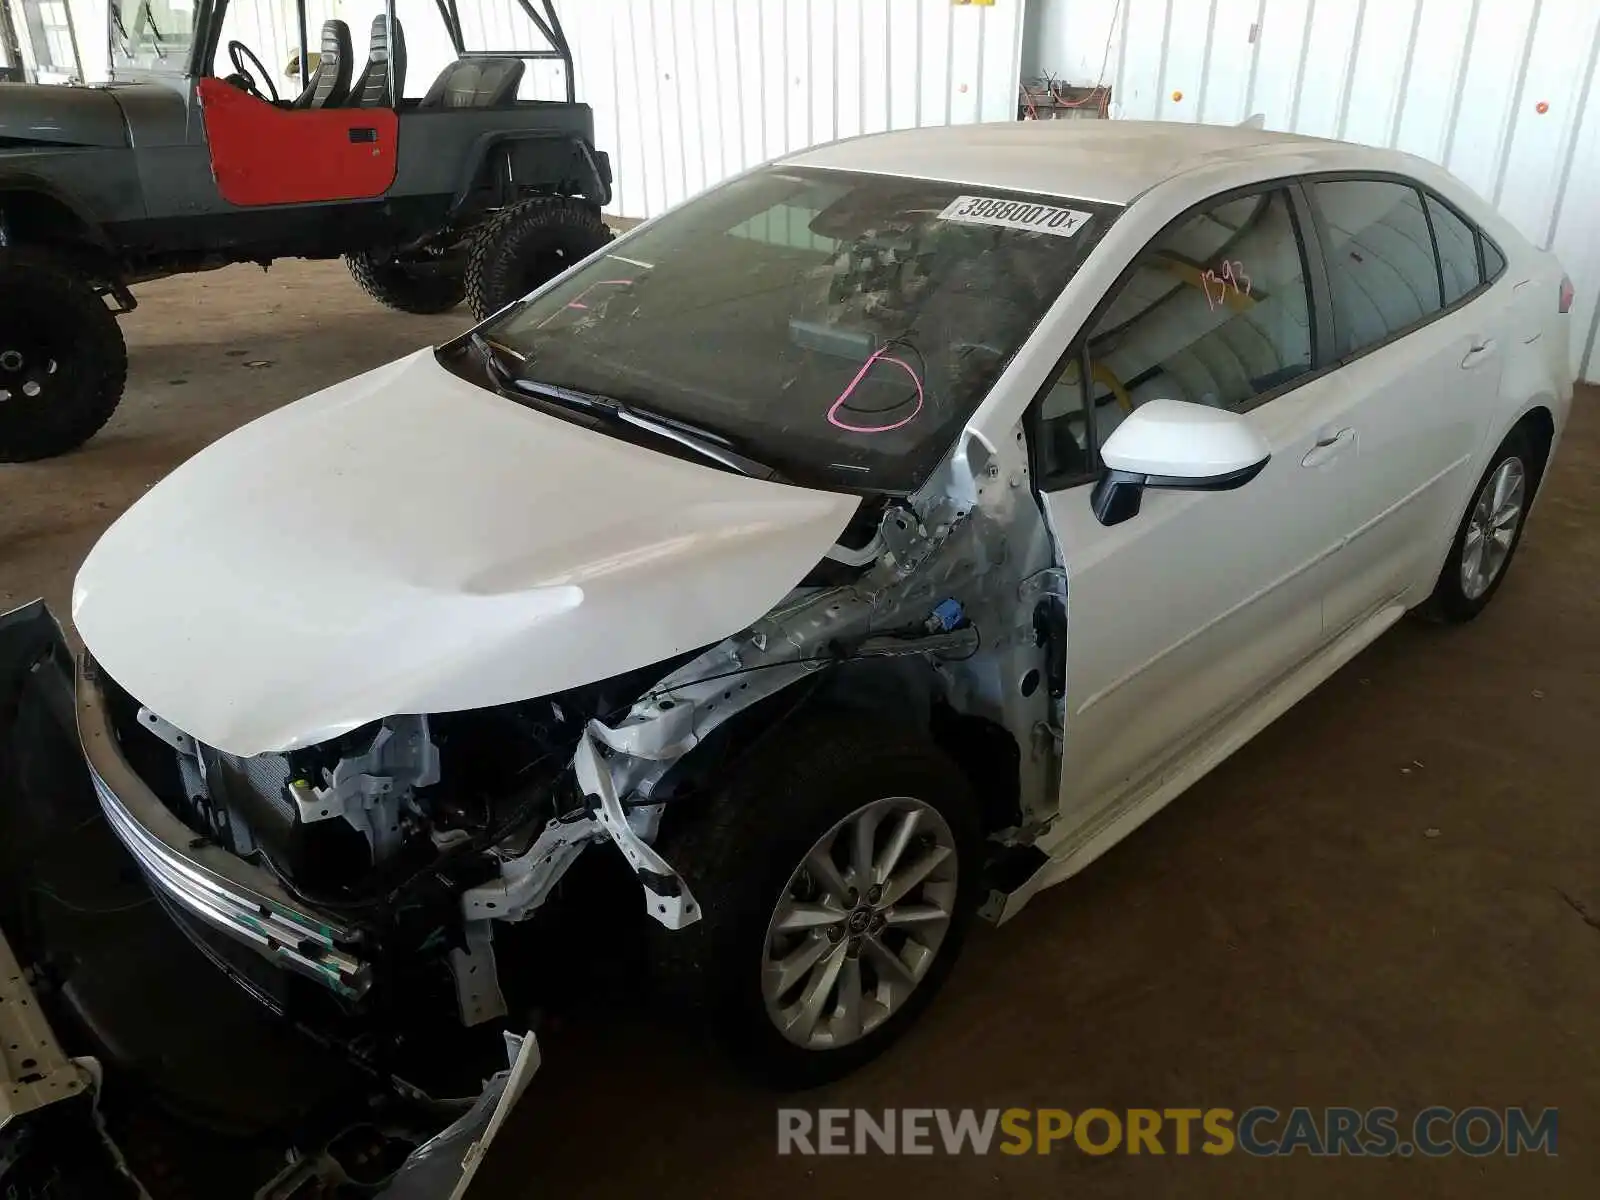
(859, 923)
(1492, 528)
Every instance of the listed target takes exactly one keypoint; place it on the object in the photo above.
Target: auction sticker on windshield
(1015, 214)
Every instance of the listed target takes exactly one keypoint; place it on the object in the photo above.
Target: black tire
(1449, 602)
(63, 363)
(737, 855)
(424, 289)
(524, 245)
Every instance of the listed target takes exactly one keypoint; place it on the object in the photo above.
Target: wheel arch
(559, 159)
(33, 212)
(1539, 424)
(904, 693)
(1536, 418)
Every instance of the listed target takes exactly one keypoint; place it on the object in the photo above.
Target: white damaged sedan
(861, 546)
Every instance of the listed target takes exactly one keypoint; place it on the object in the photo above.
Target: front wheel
(63, 362)
(836, 871)
(525, 245)
(1488, 536)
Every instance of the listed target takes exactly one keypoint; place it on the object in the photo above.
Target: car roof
(1109, 161)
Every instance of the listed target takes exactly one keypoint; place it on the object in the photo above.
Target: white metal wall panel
(1498, 91)
(688, 92)
(90, 19)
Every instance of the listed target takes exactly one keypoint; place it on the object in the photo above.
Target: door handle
(1481, 349)
(1329, 447)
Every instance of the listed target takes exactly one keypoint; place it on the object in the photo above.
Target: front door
(264, 153)
(1182, 613)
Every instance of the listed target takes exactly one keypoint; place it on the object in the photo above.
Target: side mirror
(1175, 444)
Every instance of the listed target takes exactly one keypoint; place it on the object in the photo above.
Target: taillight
(1566, 294)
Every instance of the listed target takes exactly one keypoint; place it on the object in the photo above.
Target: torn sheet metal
(34, 1072)
(667, 897)
(444, 1166)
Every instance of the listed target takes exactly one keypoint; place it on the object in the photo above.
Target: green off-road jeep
(465, 192)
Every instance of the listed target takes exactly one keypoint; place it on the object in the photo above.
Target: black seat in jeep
(329, 84)
(476, 83)
(371, 88)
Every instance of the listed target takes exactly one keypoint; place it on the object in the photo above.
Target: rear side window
(1493, 261)
(1380, 260)
(1458, 251)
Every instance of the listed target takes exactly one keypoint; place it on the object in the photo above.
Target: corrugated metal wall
(1496, 90)
(688, 92)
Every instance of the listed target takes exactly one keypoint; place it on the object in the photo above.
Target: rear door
(1421, 351)
(1187, 610)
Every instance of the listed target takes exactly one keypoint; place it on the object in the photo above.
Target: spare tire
(63, 363)
(527, 244)
(423, 288)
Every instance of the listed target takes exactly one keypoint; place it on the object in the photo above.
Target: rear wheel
(423, 287)
(525, 245)
(836, 872)
(63, 362)
(1489, 534)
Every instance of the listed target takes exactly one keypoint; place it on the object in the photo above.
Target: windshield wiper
(702, 441)
(160, 42)
(122, 31)
(494, 356)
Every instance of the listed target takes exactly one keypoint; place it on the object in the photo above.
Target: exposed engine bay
(431, 831)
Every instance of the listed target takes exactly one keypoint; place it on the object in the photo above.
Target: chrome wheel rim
(859, 924)
(26, 370)
(1492, 528)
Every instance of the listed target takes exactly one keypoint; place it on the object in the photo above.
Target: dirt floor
(1389, 898)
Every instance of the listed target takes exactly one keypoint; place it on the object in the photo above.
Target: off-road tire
(737, 851)
(526, 244)
(38, 292)
(394, 286)
(1449, 603)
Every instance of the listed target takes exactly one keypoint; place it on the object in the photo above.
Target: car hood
(408, 542)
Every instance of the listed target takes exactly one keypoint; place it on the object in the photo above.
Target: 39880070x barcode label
(1015, 214)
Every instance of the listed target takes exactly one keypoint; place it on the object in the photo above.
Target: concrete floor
(1287, 933)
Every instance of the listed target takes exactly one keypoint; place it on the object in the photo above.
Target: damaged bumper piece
(228, 894)
(248, 905)
(112, 1022)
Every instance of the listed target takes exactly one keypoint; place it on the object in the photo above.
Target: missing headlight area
(424, 833)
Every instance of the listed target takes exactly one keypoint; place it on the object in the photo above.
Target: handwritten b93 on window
(1226, 279)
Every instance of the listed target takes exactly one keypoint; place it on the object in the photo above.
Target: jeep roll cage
(210, 15)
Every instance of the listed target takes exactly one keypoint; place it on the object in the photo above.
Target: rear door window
(1380, 258)
(1458, 250)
